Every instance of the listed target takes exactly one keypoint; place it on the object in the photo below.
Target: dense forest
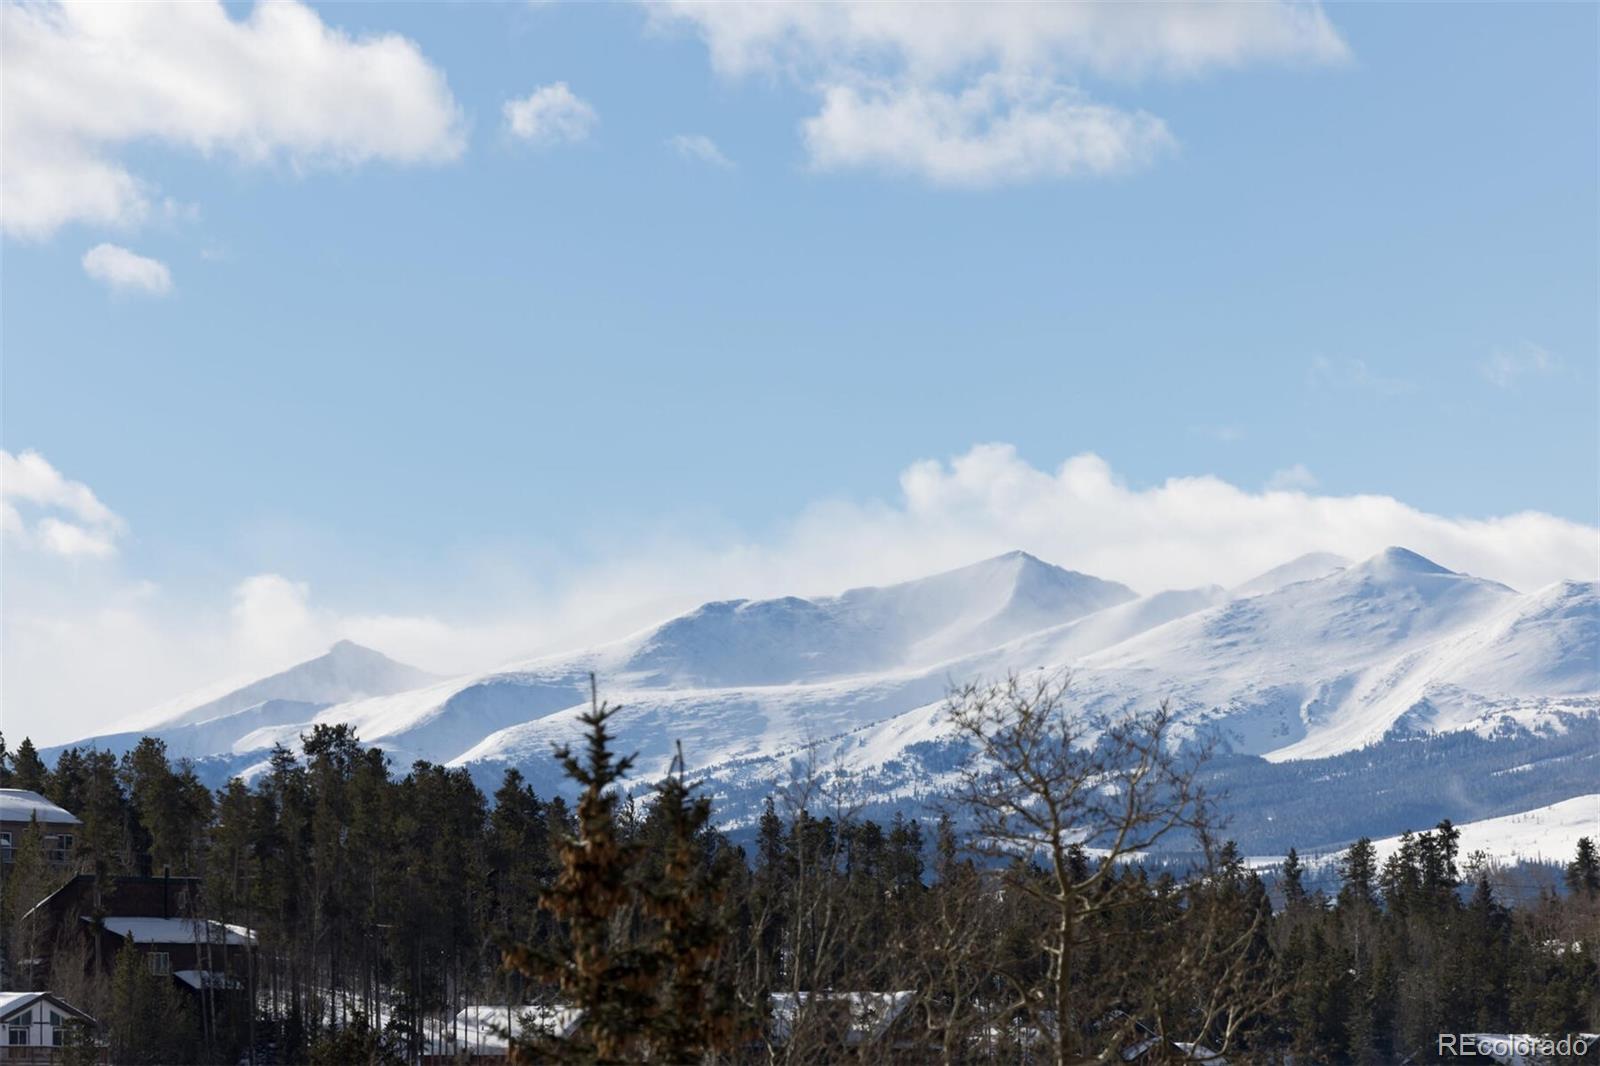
(387, 901)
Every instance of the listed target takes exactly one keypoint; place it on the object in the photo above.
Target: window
(5, 847)
(160, 963)
(60, 848)
(57, 1029)
(18, 1034)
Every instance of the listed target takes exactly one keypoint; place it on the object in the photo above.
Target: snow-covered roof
(870, 1013)
(12, 1002)
(474, 1026)
(195, 979)
(177, 931)
(21, 805)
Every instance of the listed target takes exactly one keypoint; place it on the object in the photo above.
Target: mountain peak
(349, 649)
(347, 670)
(1304, 568)
(1395, 559)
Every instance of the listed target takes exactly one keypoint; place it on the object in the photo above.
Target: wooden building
(18, 808)
(34, 1027)
(155, 916)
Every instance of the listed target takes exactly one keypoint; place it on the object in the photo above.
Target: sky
(478, 331)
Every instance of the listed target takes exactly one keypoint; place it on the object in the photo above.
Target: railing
(40, 1054)
(24, 1055)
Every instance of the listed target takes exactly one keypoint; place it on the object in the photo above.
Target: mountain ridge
(1284, 666)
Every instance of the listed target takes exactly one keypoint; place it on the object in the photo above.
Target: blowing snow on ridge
(1311, 659)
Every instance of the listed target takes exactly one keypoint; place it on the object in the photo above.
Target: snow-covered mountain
(1542, 834)
(215, 723)
(1313, 658)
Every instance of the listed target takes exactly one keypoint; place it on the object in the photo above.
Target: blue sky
(440, 387)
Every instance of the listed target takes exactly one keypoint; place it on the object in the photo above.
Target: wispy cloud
(1226, 433)
(125, 271)
(988, 94)
(996, 131)
(1506, 367)
(699, 147)
(550, 115)
(1296, 478)
(1356, 374)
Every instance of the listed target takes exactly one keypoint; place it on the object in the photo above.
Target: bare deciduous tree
(1078, 794)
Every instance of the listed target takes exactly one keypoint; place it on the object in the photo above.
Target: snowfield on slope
(1313, 658)
(1544, 834)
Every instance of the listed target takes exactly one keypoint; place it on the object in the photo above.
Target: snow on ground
(1313, 658)
(1544, 834)
(1547, 834)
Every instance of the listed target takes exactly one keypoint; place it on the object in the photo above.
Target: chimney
(166, 889)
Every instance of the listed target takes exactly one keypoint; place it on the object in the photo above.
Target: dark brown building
(19, 807)
(156, 916)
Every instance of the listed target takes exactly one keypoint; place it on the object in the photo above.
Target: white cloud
(271, 613)
(65, 538)
(987, 93)
(30, 477)
(72, 521)
(81, 81)
(931, 39)
(699, 147)
(1183, 532)
(1505, 367)
(125, 270)
(996, 130)
(551, 114)
(1296, 478)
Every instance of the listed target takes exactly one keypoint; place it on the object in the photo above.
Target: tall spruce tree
(1582, 875)
(605, 975)
(1294, 888)
(148, 1022)
(696, 1013)
(27, 769)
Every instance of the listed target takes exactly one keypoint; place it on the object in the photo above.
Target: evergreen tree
(1294, 889)
(171, 808)
(28, 880)
(1357, 872)
(378, 896)
(148, 1021)
(696, 1014)
(1583, 872)
(27, 769)
(358, 1043)
(605, 976)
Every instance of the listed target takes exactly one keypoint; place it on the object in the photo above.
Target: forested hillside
(387, 899)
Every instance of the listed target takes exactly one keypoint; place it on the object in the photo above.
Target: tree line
(1029, 921)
